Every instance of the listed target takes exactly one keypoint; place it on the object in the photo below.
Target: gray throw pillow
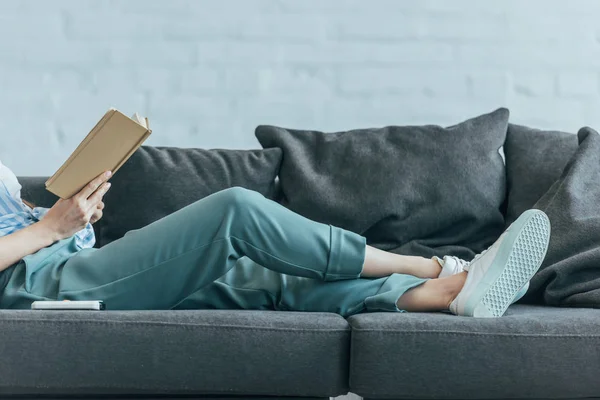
(157, 181)
(570, 273)
(418, 190)
(535, 159)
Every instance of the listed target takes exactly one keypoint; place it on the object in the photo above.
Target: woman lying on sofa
(282, 260)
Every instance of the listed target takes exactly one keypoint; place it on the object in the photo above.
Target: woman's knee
(238, 198)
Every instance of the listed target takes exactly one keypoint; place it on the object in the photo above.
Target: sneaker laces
(462, 263)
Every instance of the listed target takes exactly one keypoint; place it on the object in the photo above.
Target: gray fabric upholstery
(34, 190)
(419, 190)
(530, 353)
(535, 159)
(174, 352)
(157, 181)
(570, 274)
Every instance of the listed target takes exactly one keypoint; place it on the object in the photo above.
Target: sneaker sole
(519, 257)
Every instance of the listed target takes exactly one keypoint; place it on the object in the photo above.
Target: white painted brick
(350, 113)
(244, 7)
(491, 85)
(172, 8)
(394, 26)
(501, 55)
(408, 81)
(198, 80)
(41, 7)
(401, 53)
(191, 108)
(242, 80)
(285, 27)
(533, 84)
(162, 53)
(202, 27)
(166, 81)
(276, 81)
(416, 26)
(299, 82)
(280, 111)
(114, 26)
(13, 79)
(546, 29)
(60, 54)
(319, 6)
(126, 79)
(140, 79)
(463, 28)
(207, 72)
(578, 84)
(20, 105)
(225, 134)
(34, 27)
(91, 106)
(592, 117)
(238, 54)
(68, 80)
(563, 113)
(533, 8)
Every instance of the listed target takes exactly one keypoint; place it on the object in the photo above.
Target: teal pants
(234, 249)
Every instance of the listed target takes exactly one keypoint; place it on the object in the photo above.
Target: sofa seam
(508, 335)
(175, 325)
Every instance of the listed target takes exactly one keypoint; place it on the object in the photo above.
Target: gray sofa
(533, 352)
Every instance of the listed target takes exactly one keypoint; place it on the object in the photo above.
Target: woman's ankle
(432, 295)
(426, 268)
(451, 286)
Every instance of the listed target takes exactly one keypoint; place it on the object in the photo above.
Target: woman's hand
(97, 213)
(68, 216)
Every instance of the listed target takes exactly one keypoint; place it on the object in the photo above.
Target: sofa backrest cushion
(535, 159)
(570, 273)
(418, 190)
(157, 181)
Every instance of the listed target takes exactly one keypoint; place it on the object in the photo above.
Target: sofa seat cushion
(530, 352)
(174, 351)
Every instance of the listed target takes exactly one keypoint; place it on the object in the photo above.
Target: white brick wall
(206, 72)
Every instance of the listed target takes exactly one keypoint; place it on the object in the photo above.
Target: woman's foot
(452, 265)
(497, 275)
(433, 294)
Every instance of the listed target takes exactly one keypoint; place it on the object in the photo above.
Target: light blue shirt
(15, 215)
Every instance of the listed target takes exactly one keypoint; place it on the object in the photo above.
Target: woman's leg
(249, 286)
(433, 295)
(160, 264)
(382, 263)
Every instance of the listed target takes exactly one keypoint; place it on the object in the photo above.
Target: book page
(142, 121)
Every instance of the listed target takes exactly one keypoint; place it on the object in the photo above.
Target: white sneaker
(452, 265)
(497, 275)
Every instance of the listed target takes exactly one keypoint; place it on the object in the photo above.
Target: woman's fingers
(96, 216)
(97, 212)
(96, 197)
(92, 186)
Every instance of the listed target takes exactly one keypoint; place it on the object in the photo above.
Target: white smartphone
(68, 305)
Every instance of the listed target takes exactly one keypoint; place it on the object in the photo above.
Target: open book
(108, 145)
